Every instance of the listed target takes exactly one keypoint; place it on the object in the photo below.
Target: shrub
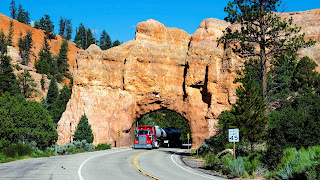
(75, 147)
(213, 144)
(72, 150)
(212, 161)
(302, 164)
(102, 147)
(89, 147)
(236, 167)
(18, 149)
(252, 162)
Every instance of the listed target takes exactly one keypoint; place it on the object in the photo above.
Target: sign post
(119, 137)
(234, 137)
(188, 136)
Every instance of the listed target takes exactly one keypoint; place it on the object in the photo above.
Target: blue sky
(119, 17)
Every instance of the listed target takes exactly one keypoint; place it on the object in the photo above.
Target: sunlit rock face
(161, 68)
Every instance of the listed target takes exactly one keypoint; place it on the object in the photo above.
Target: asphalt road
(124, 163)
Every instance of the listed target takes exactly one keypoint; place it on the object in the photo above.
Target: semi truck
(151, 136)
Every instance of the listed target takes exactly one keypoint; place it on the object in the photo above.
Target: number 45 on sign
(233, 135)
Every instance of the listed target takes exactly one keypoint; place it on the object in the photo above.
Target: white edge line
(79, 170)
(189, 170)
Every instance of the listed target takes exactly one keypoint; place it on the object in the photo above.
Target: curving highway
(123, 163)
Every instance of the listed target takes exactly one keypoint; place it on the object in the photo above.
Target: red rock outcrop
(161, 68)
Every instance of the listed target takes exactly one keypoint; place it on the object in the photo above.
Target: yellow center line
(134, 164)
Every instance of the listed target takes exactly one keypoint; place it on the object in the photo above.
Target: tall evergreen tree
(10, 35)
(84, 37)
(68, 29)
(25, 44)
(84, 131)
(65, 28)
(89, 38)
(80, 37)
(116, 43)
(60, 104)
(62, 59)
(280, 79)
(62, 25)
(13, 9)
(23, 15)
(46, 24)
(45, 62)
(105, 41)
(8, 81)
(27, 84)
(247, 114)
(53, 91)
(263, 33)
(42, 82)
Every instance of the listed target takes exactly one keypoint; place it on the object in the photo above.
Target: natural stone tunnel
(161, 68)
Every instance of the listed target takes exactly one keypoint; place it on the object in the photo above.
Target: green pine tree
(60, 104)
(27, 84)
(247, 113)
(280, 79)
(62, 25)
(62, 59)
(68, 29)
(105, 41)
(23, 15)
(53, 91)
(263, 33)
(13, 9)
(10, 35)
(22, 120)
(8, 81)
(45, 62)
(25, 44)
(46, 24)
(84, 131)
(65, 28)
(80, 37)
(84, 37)
(116, 43)
(89, 38)
(42, 82)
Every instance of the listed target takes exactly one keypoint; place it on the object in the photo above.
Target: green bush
(18, 149)
(75, 147)
(102, 147)
(301, 164)
(252, 162)
(71, 150)
(236, 167)
(212, 161)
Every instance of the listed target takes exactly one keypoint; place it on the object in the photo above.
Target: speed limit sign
(234, 135)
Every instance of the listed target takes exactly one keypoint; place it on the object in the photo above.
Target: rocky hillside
(37, 36)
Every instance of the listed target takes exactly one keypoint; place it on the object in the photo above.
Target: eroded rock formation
(161, 68)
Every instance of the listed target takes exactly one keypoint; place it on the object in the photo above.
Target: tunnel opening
(169, 121)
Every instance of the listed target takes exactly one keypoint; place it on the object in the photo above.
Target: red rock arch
(161, 68)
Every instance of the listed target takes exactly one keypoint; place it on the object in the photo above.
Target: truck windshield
(144, 132)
